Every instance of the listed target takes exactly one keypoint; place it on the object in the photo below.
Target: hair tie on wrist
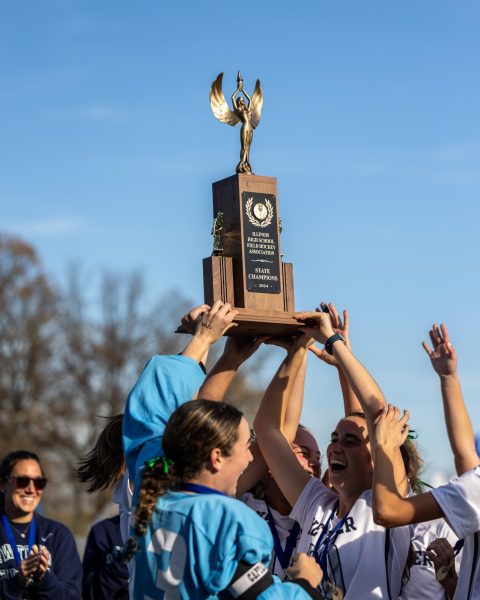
(167, 463)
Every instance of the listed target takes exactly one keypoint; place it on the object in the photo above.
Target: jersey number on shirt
(169, 579)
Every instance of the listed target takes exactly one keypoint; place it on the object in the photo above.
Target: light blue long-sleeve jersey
(166, 383)
(194, 544)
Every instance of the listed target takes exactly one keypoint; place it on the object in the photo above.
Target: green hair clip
(167, 463)
(412, 435)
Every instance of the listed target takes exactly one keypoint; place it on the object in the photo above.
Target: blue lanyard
(458, 546)
(198, 489)
(322, 548)
(13, 543)
(283, 556)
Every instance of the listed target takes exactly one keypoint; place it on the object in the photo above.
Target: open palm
(443, 355)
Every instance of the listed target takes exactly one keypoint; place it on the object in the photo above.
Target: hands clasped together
(35, 566)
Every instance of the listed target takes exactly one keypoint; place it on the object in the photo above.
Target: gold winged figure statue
(245, 109)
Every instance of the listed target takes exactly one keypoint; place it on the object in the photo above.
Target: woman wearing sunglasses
(38, 556)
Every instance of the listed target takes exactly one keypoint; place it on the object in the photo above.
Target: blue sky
(370, 123)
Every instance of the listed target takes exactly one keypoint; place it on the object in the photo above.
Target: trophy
(245, 268)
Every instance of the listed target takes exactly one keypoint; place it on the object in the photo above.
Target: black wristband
(331, 340)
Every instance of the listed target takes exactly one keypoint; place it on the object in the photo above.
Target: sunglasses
(22, 481)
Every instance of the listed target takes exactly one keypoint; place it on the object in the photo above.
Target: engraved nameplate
(260, 243)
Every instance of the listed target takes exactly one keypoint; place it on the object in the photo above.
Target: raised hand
(443, 355)
(237, 350)
(340, 326)
(290, 344)
(318, 325)
(216, 321)
(390, 429)
(322, 354)
(192, 318)
(211, 324)
(457, 420)
(240, 348)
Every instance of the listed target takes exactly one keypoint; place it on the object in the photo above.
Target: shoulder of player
(216, 506)
(167, 362)
(252, 502)
(316, 492)
(232, 513)
(314, 502)
(362, 514)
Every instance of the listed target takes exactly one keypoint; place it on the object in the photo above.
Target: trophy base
(252, 323)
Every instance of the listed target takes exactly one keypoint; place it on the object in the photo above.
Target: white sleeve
(460, 502)
(314, 495)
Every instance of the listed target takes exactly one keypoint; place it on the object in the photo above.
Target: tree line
(69, 353)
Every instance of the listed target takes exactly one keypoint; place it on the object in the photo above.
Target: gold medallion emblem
(260, 215)
(260, 211)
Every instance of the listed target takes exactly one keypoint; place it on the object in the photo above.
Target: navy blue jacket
(63, 579)
(104, 579)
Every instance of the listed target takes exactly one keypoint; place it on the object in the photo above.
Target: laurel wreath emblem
(251, 217)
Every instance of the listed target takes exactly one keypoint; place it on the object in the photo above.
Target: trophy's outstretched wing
(219, 105)
(257, 103)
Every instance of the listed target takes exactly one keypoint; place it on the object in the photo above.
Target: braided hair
(192, 432)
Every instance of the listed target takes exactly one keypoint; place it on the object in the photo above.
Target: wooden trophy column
(246, 268)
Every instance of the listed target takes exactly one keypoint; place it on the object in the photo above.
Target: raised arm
(364, 386)
(359, 379)
(214, 322)
(165, 384)
(257, 469)
(293, 410)
(270, 424)
(237, 350)
(459, 426)
(247, 97)
(190, 322)
(351, 403)
(390, 507)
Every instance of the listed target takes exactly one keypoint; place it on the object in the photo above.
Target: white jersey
(365, 560)
(422, 582)
(285, 527)
(460, 503)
